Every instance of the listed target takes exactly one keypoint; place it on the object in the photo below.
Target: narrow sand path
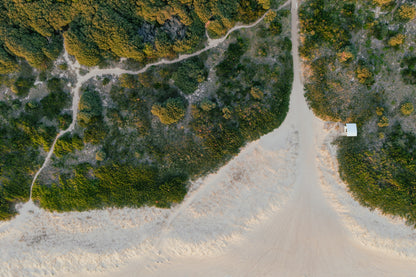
(305, 238)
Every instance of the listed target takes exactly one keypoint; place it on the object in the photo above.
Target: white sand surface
(277, 209)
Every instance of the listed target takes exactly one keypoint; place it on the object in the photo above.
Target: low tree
(382, 2)
(406, 109)
(170, 112)
(207, 105)
(406, 12)
(396, 40)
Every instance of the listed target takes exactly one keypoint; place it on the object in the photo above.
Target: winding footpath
(81, 79)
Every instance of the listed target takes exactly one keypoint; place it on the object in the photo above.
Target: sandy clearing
(263, 214)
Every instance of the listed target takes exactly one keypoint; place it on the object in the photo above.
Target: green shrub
(128, 80)
(407, 109)
(106, 81)
(90, 107)
(406, 12)
(63, 66)
(53, 103)
(67, 144)
(189, 74)
(409, 69)
(22, 85)
(207, 105)
(383, 179)
(170, 112)
(64, 120)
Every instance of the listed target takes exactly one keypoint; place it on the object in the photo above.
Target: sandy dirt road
(305, 238)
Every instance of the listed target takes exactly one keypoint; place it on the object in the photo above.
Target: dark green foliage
(231, 63)
(64, 120)
(384, 179)
(189, 74)
(106, 81)
(95, 132)
(22, 85)
(326, 23)
(94, 31)
(128, 81)
(54, 84)
(275, 26)
(54, 102)
(380, 30)
(90, 117)
(63, 66)
(31, 46)
(19, 155)
(170, 111)
(90, 107)
(115, 185)
(8, 63)
(409, 69)
(67, 144)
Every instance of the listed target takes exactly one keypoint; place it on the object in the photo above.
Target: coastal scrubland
(359, 61)
(159, 129)
(138, 139)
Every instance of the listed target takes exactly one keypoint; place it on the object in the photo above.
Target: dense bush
(409, 69)
(406, 108)
(64, 120)
(385, 179)
(22, 85)
(189, 74)
(230, 64)
(116, 185)
(169, 112)
(90, 107)
(95, 31)
(20, 141)
(67, 144)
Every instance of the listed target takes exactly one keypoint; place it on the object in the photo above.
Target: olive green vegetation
(24, 132)
(90, 117)
(67, 144)
(189, 75)
(112, 185)
(170, 112)
(408, 71)
(157, 139)
(385, 178)
(96, 31)
(354, 60)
